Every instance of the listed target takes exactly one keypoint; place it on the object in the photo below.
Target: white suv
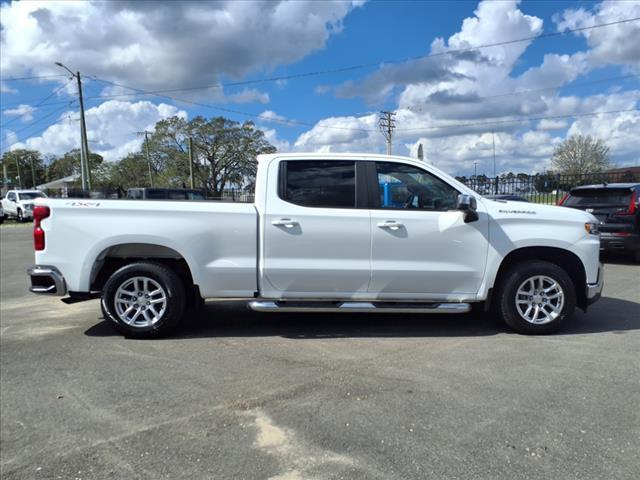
(19, 203)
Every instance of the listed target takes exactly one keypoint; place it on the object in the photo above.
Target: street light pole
(85, 170)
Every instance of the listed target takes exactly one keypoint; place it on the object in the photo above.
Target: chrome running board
(378, 307)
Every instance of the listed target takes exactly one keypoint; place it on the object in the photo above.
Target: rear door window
(594, 197)
(319, 183)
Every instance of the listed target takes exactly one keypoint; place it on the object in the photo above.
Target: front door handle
(284, 222)
(391, 225)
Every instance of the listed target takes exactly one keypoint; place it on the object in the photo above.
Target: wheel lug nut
(139, 294)
(148, 303)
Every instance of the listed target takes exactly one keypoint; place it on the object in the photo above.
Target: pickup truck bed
(217, 240)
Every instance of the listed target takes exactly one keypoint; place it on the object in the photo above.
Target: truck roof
(334, 156)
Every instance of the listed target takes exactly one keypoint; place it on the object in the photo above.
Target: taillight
(40, 212)
(562, 200)
(632, 205)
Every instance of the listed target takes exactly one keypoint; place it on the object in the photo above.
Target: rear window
(598, 196)
(31, 195)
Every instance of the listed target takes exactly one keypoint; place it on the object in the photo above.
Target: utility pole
(85, 170)
(83, 127)
(33, 174)
(191, 162)
(19, 177)
(475, 169)
(5, 178)
(493, 141)
(146, 148)
(387, 124)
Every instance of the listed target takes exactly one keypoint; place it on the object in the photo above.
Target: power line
(26, 127)
(544, 89)
(525, 119)
(230, 110)
(37, 77)
(412, 108)
(378, 63)
(36, 105)
(420, 57)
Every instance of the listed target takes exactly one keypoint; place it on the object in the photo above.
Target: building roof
(61, 182)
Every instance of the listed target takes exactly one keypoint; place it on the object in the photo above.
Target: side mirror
(468, 205)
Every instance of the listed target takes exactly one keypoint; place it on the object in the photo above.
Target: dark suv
(616, 206)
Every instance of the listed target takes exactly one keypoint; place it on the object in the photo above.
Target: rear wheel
(536, 297)
(143, 300)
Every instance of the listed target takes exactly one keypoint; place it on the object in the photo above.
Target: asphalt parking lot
(243, 395)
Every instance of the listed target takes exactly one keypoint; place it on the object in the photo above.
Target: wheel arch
(116, 256)
(565, 259)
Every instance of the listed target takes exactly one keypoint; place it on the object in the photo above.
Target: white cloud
(271, 135)
(24, 111)
(4, 88)
(469, 102)
(271, 115)
(551, 124)
(154, 45)
(615, 44)
(339, 134)
(111, 129)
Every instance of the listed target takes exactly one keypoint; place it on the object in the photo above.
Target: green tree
(580, 155)
(69, 164)
(224, 152)
(25, 168)
(546, 182)
(130, 171)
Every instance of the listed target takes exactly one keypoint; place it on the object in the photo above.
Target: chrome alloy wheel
(539, 299)
(140, 301)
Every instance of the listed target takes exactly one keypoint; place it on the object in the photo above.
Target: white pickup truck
(19, 203)
(327, 233)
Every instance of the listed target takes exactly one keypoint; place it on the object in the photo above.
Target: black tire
(511, 282)
(19, 216)
(174, 292)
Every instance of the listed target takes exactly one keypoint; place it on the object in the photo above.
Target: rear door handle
(391, 225)
(284, 222)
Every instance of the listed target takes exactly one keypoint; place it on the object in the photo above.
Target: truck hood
(535, 211)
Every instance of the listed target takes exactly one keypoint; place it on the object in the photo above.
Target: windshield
(598, 196)
(31, 195)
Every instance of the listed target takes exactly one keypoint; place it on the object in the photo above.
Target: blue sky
(181, 45)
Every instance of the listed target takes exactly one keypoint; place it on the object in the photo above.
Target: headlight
(592, 228)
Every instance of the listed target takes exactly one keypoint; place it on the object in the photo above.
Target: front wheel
(536, 297)
(19, 216)
(143, 300)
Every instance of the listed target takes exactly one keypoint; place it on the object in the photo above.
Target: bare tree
(579, 155)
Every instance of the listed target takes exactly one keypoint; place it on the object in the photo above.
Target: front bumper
(594, 290)
(47, 280)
